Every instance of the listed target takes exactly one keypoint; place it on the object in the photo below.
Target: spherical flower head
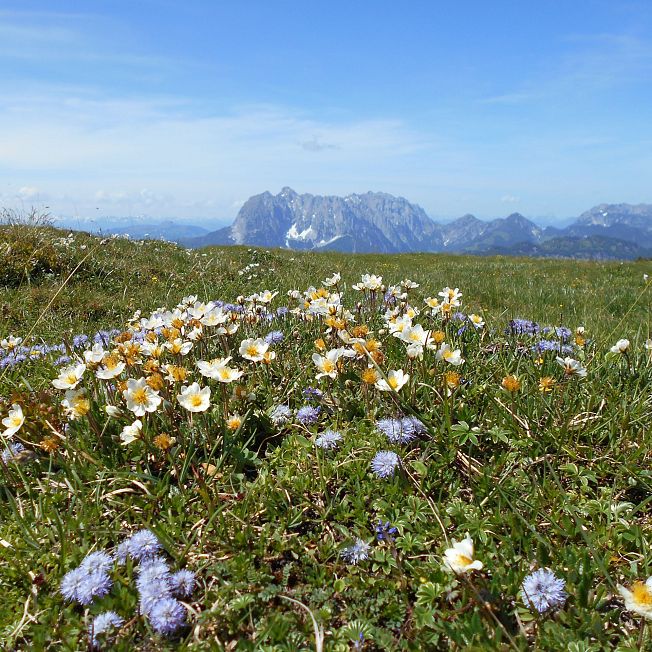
(98, 561)
(151, 593)
(183, 583)
(358, 552)
(459, 558)
(543, 591)
(12, 453)
(153, 570)
(274, 337)
(143, 545)
(385, 463)
(638, 598)
(328, 439)
(167, 616)
(308, 414)
(103, 623)
(280, 415)
(312, 393)
(83, 587)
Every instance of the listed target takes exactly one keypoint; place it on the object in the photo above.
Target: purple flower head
(308, 414)
(563, 333)
(385, 531)
(167, 615)
(543, 590)
(143, 544)
(274, 337)
(12, 453)
(81, 586)
(79, 341)
(183, 583)
(312, 393)
(522, 327)
(384, 464)
(62, 360)
(99, 561)
(280, 414)
(152, 571)
(328, 439)
(359, 551)
(103, 623)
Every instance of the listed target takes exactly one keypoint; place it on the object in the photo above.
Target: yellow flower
(452, 379)
(511, 383)
(546, 384)
(163, 441)
(370, 376)
(234, 422)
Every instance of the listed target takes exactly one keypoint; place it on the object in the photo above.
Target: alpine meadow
(250, 449)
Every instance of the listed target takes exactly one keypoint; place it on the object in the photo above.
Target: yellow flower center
(195, 400)
(252, 350)
(140, 396)
(642, 595)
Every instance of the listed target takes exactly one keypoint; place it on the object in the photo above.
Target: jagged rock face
(369, 222)
(382, 223)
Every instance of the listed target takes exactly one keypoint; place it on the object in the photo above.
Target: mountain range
(382, 223)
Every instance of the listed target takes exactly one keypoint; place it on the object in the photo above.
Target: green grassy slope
(261, 514)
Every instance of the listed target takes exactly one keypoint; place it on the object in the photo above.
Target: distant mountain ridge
(382, 223)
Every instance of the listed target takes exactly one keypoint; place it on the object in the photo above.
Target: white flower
(95, 355)
(648, 345)
(620, 346)
(476, 320)
(178, 346)
(639, 598)
(194, 398)
(141, 397)
(111, 368)
(572, 367)
(327, 365)
(70, 376)
(333, 280)
(13, 421)
(414, 335)
(448, 355)
(396, 378)
(459, 558)
(450, 296)
(218, 369)
(10, 343)
(132, 432)
(369, 282)
(76, 404)
(112, 411)
(253, 349)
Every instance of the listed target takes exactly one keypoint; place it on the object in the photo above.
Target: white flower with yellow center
(450, 296)
(178, 346)
(112, 367)
(140, 397)
(253, 349)
(476, 320)
(621, 346)
(214, 317)
(396, 378)
(234, 422)
(414, 335)
(398, 325)
(70, 376)
(13, 421)
(447, 354)
(638, 598)
(571, 367)
(459, 558)
(10, 343)
(266, 296)
(130, 433)
(218, 369)
(76, 404)
(113, 411)
(194, 398)
(327, 364)
(95, 355)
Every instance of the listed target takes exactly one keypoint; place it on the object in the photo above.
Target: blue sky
(187, 108)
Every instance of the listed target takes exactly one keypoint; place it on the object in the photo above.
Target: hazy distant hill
(378, 222)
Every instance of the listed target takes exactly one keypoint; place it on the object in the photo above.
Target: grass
(556, 479)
